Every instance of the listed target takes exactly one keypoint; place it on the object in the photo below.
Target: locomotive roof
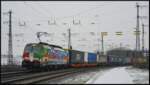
(45, 44)
(50, 45)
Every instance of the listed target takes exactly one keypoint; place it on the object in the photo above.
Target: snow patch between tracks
(113, 76)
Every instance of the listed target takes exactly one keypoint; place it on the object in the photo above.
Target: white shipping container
(86, 57)
(97, 58)
(103, 59)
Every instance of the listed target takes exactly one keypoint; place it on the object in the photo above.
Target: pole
(143, 37)
(10, 52)
(69, 45)
(69, 39)
(102, 45)
(137, 30)
(98, 45)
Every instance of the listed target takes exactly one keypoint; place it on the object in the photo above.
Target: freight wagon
(127, 60)
(92, 59)
(82, 59)
(115, 60)
(102, 60)
(76, 58)
(140, 60)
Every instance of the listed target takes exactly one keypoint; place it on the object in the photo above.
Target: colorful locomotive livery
(42, 54)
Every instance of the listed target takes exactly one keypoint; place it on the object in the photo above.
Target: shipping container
(127, 60)
(86, 57)
(141, 60)
(92, 58)
(115, 60)
(77, 57)
(102, 59)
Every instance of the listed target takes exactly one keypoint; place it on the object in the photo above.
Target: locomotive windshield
(28, 48)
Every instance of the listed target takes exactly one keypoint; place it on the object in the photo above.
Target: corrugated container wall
(77, 57)
(103, 59)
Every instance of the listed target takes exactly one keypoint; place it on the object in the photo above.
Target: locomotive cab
(43, 55)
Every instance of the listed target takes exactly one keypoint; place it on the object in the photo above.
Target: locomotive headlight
(31, 56)
(26, 58)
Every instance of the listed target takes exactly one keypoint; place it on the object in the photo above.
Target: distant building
(120, 52)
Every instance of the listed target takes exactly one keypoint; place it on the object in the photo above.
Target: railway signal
(136, 32)
(76, 23)
(52, 23)
(119, 33)
(104, 33)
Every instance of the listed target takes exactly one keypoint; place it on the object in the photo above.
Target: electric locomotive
(43, 55)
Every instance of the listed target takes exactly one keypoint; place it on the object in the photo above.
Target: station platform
(114, 76)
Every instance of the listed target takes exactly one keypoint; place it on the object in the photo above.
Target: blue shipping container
(92, 57)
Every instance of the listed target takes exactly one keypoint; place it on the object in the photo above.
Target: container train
(43, 55)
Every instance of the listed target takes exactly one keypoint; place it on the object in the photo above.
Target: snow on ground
(139, 76)
(81, 78)
(116, 75)
(113, 75)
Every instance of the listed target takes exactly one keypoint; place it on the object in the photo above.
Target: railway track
(37, 77)
(11, 68)
(12, 74)
(58, 79)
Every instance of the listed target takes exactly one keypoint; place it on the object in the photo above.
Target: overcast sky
(109, 16)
